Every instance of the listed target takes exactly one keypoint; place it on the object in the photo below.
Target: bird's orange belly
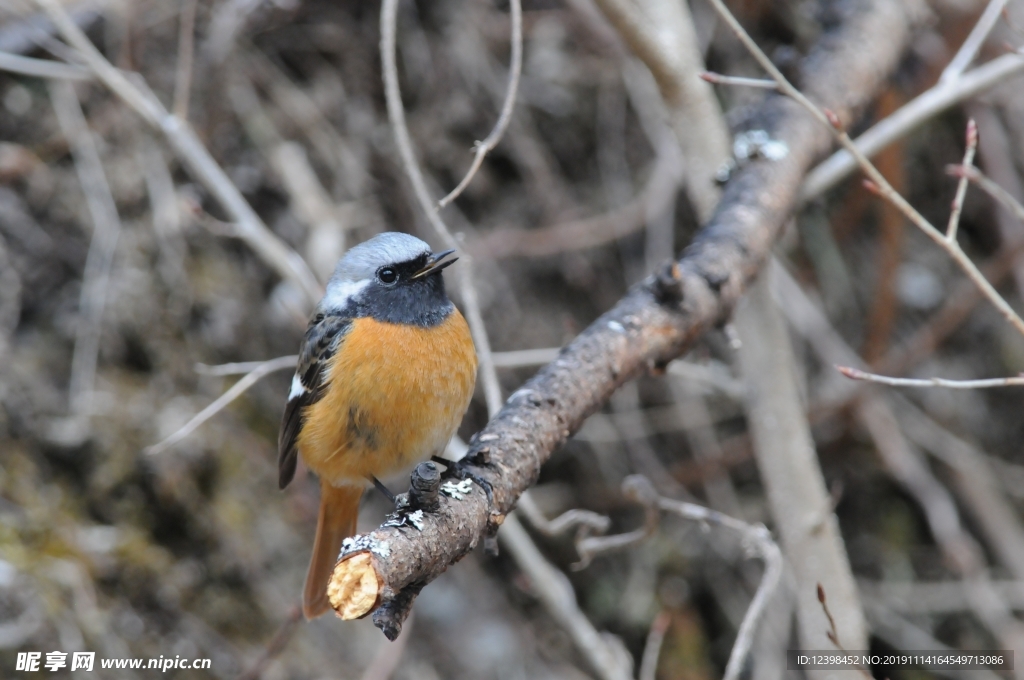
(395, 396)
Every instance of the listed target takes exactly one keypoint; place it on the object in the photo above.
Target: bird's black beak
(435, 264)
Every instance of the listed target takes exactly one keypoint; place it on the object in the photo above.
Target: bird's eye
(387, 275)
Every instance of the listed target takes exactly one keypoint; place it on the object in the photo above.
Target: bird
(386, 371)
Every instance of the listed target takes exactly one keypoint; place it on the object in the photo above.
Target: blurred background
(121, 287)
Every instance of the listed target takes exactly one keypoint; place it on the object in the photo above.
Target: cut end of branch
(354, 589)
(972, 134)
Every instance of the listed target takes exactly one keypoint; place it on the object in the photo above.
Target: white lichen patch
(757, 144)
(395, 519)
(398, 519)
(774, 150)
(457, 490)
(416, 519)
(364, 542)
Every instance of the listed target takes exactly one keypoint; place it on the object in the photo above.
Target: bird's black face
(410, 292)
(416, 270)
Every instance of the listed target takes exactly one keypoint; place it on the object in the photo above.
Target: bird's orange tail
(339, 507)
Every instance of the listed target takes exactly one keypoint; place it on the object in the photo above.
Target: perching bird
(386, 372)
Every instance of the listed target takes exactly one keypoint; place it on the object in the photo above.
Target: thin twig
(719, 79)
(714, 374)
(857, 374)
(239, 388)
(553, 588)
(26, 34)
(276, 645)
(900, 633)
(759, 541)
(1000, 194)
(636, 488)
(965, 55)
(961, 189)
(924, 107)
(237, 368)
(646, 329)
(388, 655)
(522, 358)
(186, 50)
(905, 463)
(877, 181)
(481, 149)
(794, 483)
(313, 205)
(396, 114)
(581, 520)
(105, 234)
(652, 649)
(937, 597)
(250, 228)
(588, 232)
(663, 36)
(42, 68)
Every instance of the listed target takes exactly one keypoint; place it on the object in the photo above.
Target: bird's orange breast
(395, 395)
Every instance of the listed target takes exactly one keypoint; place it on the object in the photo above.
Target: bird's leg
(383, 489)
(460, 470)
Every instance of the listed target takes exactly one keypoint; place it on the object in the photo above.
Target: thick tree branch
(652, 325)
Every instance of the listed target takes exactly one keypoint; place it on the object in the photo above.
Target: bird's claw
(459, 469)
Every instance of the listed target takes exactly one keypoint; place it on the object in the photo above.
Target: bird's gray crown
(388, 248)
(392, 247)
(357, 268)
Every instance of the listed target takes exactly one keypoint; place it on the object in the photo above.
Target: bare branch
(186, 49)
(1000, 194)
(653, 324)
(640, 490)
(276, 645)
(106, 230)
(760, 543)
(42, 68)
(923, 107)
(965, 55)
(238, 389)
(756, 540)
(515, 70)
(579, 519)
(857, 374)
(396, 114)
(662, 35)
(312, 204)
(250, 228)
(878, 182)
(588, 232)
(790, 471)
(525, 357)
(237, 368)
(906, 464)
(961, 189)
(719, 79)
(553, 588)
(652, 648)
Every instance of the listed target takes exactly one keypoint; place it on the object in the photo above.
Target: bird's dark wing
(322, 339)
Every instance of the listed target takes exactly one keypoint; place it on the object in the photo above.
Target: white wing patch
(298, 389)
